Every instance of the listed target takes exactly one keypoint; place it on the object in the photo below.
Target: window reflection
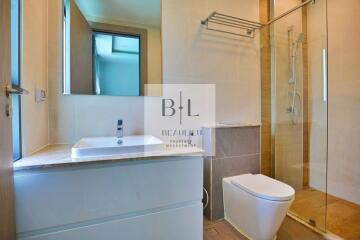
(116, 60)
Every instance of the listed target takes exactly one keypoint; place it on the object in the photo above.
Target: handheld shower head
(297, 43)
(292, 109)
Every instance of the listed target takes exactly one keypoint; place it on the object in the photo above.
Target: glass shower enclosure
(298, 44)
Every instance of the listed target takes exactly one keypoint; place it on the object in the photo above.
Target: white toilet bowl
(256, 205)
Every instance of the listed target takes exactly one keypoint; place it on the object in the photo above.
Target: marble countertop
(233, 125)
(60, 155)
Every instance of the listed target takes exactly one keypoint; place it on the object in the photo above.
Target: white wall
(191, 55)
(195, 55)
(34, 70)
(344, 99)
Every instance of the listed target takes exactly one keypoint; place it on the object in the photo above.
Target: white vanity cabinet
(149, 199)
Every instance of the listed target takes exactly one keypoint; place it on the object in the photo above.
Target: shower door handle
(325, 75)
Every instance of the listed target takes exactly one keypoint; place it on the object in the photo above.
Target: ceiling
(116, 48)
(145, 12)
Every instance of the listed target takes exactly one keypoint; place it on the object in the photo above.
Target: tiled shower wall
(236, 150)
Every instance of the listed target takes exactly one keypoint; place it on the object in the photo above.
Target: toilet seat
(264, 187)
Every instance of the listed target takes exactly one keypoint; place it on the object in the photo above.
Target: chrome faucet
(119, 131)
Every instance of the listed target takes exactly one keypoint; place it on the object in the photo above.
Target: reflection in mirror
(111, 47)
(116, 59)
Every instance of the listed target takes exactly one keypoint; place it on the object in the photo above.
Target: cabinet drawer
(62, 196)
(176, 224)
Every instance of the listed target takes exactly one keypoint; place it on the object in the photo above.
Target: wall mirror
(112, 47)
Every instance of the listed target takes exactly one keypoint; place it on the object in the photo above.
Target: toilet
(256, 205)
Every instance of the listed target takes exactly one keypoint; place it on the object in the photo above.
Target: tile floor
(290, 230)
(343, 217)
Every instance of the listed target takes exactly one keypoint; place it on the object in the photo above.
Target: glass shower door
(299, 106)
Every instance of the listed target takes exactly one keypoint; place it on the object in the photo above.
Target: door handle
(15, 90)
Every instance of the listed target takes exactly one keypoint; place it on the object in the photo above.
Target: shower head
(301, 38)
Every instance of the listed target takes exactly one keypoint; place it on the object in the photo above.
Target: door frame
(7, 199)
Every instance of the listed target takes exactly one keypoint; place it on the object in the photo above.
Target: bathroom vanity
(154, 196)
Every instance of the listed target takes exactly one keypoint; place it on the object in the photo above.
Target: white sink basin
(108, 146)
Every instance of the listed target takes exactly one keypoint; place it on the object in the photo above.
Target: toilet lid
(264, 187)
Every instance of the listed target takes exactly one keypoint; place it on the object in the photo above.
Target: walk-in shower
(319, 168)
(298, 89)
(298, 108)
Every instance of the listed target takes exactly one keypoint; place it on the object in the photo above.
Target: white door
(7, 212)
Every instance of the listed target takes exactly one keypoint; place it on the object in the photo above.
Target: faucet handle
(120, 123)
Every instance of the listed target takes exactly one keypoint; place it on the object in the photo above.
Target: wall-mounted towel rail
(234, 25)
(220, 22)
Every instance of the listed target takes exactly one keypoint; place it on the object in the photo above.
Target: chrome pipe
(231, 24)
(232, 33)
(235, 21)
(221, 14)
(288, 12)
(204, 22)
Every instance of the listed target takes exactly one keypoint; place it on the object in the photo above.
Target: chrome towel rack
(234, 25)
(239, 26)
